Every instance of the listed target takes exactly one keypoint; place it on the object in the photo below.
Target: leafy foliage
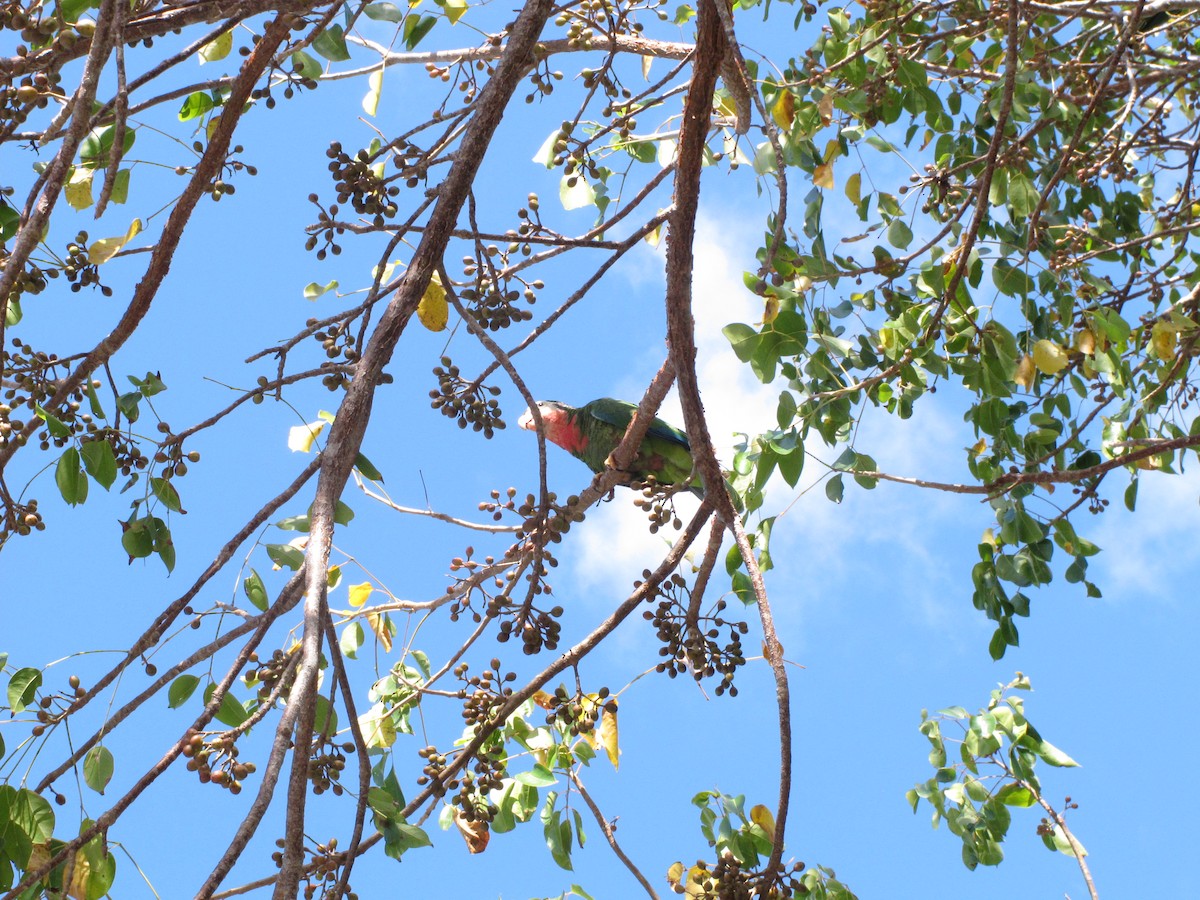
(1022, 177)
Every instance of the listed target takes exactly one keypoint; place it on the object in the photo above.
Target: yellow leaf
(474, 831)
(1162, 340)
(433, 310)
(823, 176)
(654, 237)
(217, 49)
(646, 61)
(1025, 372)
(783, 110)
(103, 250)
(979, 447)
(770, 309)
(854, 188)
(381, 626)
(825, 109)
(608, 733)
(359, 593)
(675, 874)
(333, 576)
(1049, 357)
(79, 877)
(544, 700)
(454, 10)
(725, 106)
(378, 729)
(79, 188)
(1085, 342)
(370, 102)
(761, 816)
(301, 437)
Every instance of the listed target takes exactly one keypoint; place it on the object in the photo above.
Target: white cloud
(1150, 553)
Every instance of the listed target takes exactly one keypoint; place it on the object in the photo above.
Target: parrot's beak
(526, 422)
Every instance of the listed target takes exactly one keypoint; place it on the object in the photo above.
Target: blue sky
(872, 597)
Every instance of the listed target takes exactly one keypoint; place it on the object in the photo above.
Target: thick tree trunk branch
(681, 338)
(346, 434)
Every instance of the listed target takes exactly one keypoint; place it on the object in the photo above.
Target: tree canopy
(983, 208)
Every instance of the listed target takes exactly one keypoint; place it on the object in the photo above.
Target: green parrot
(591, 433)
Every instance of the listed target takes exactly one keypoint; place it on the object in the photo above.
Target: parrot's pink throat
(559, 429)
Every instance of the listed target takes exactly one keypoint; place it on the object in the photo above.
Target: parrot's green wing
(620, 413)
(665, 453)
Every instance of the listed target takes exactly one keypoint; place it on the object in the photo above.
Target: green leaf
(10, 221)
(137, 539)
(120, 192)
(256, 591)
(286, 556)
(454, 9)
(539, 776)
(68, 475)
(307, 66)
(899, 235)
(180, 690)
(366, 469)
(100, 462)
(53, 425)
(313, 290)
(166, 494)
(230, 712)
(384, 12)
(22, 689)
(98, 768)
(96, 148)
(127, 405)
(1048, 752)
(331, 44)
(1010, 280)
(149, 386)
(834, 489)
(1016, 795)
(324, 717)
(415, 28)
(195, 105)
(1022, 195)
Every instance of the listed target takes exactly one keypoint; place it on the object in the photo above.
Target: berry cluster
(492, 300)
(466, 402)
(295, 81)
(322, 871)
(30, 280)
(462, 603)
(358, 182)
(690, 640)
(326, 764)
(327, 228)
(268, 673)
(486, 696)
(215, 760)
(658, 502)
(578, 713)
(79, 269)
(52, 708)
(33, 81)
(729, 880)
